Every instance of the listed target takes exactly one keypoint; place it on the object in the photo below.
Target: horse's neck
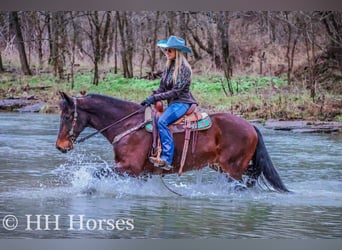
(107, 116)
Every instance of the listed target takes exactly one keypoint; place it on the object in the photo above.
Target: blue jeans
(171, 114)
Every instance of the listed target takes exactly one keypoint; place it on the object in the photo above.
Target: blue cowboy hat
(174, 42)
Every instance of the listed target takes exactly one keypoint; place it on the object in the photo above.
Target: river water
(47, 194)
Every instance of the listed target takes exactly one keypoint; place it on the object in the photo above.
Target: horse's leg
(215, 167)
(253, 174)
(238, 185)
(233, 173)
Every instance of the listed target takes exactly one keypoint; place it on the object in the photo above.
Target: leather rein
(71, 132)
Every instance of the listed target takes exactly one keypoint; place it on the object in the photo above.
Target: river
(47, 194)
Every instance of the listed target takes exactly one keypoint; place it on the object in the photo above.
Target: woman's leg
(171, 114)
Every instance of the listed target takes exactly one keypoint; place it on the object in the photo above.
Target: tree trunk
(105, 37)
(72, 49)
(57, 45)
(210, 47)
(310, 59)
(15, 23)
(48, 21)
(170, 29)
(126, 35)
(154, 42)
(39, 27)
(97, 49)
(1, 65)
(116, 48)
(182, 24)
(333, 25)
(292, 40)
(98, 36)
(223, 29)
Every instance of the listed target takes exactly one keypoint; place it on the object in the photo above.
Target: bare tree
(308, 22)
(71, 46)
(126, 34)
(1, 65)
(15, 24)
(223, 20)
(115, 46)
(154, 41)
(98, 35)
(332, 21)
(40, 23)
(289, 21)
(57, 35)
(2, 38)
(203, 36)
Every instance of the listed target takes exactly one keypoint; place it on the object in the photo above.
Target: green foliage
(254, 97)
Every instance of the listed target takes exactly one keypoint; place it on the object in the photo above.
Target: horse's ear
(66, 98)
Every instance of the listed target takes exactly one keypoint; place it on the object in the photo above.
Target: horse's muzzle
(63, 150)
(64, 147)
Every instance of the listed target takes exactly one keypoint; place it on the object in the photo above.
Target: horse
(231, 145)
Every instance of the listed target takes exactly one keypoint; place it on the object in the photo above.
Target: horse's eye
(67, 117)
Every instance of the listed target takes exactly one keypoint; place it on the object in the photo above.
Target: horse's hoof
(240, 188)
(145, 177)
(103, 173)
(250, 183)
(89, 191)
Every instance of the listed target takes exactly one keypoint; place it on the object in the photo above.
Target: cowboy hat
(174, 42)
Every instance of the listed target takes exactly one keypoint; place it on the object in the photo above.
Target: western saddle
(187, 123)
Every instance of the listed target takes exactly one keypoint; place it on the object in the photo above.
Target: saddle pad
(203, 124)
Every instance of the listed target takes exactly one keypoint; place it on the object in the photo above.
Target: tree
(332, 21)
(309, 24)
(97, 32)
(57, 35)
(223, 20)
(40, 23)
(1, 66)
(289, 21)
(126, 34)
(203, 35)
(15, 25)
(154, 30)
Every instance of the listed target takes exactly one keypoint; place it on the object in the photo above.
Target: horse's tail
(262, 164)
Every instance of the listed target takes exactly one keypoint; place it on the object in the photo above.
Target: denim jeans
(171, 114)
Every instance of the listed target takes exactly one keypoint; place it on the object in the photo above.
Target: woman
(174, 87)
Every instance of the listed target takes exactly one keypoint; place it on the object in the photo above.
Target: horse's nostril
(61, 149)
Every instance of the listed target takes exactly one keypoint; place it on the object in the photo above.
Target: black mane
(108, 101)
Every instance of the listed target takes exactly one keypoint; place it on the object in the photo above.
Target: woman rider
(175, 88)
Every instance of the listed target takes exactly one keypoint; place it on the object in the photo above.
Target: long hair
(180, 59)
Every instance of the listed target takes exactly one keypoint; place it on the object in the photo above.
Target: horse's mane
(111, 101)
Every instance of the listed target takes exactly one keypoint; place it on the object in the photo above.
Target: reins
(109, 126)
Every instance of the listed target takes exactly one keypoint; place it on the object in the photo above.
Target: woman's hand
(148, 101)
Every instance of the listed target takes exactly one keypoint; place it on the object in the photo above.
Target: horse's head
(71, 123)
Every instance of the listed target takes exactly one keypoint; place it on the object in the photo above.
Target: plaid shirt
(175, 92)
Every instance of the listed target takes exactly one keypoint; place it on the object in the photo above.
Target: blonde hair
(180, 59)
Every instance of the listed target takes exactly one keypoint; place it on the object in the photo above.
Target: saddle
(190, 122)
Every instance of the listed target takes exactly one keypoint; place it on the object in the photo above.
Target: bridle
(74, 121)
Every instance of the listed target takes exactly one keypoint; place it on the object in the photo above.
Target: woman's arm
(182, 85)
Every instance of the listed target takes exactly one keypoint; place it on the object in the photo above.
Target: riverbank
(35, 105)
(267, 99)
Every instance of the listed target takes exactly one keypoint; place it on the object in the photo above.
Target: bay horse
(231, 145)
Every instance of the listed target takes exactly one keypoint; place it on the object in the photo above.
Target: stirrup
(157, 162)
